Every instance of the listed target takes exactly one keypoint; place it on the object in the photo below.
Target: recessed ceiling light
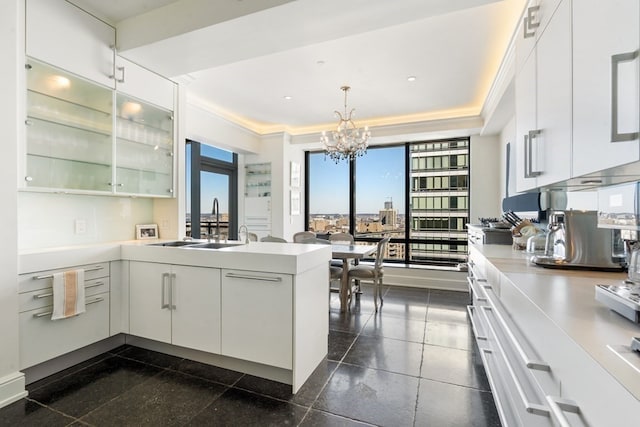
(288, 98)
(411, 78)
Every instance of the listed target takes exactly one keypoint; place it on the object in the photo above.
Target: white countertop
(287, 258)
(567, 297)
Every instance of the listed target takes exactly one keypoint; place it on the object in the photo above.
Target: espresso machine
(574, 241)
(619, 210)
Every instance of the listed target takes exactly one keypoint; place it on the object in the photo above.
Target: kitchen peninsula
(259, 308)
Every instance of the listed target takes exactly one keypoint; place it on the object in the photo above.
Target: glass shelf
(52, 172)
(258, 180)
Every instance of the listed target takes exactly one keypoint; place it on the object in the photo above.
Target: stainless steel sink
(176, 243)
(215, 245)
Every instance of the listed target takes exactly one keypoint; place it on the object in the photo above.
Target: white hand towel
(68, 294)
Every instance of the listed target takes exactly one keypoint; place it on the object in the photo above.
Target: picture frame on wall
(295, 175)
(295, 202)
(146, 231)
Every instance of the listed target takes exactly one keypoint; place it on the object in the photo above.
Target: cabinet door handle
(163, 286)
(121, 79)
(532, 408)
(559, 406)
(528, 154)
(615, 62)
(530, 22)
(249, 277)
(172, 282)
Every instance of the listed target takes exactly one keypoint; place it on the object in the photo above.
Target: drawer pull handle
(470, 309)
(558, 406)
(49, 313)
(530, 363)
(530, 407)
(50, 294)
(475, 291)
(249, 277)
(50, 276)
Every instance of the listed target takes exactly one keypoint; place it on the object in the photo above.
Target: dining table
(346, 253)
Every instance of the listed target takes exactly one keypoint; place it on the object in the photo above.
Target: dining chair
(370, 272)
(335, 273)
(253, 237)
(303, 236)
(345, 238)
(273, 239)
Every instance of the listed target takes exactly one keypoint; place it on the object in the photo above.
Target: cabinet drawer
(44, 297)
(44, 279)
(42, 339)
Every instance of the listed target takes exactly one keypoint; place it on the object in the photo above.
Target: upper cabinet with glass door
(69, 131)
(144, 148)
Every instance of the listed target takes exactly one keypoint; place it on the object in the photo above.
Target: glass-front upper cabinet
(69, 131)
(144, 147)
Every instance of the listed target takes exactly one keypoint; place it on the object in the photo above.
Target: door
(150, 314)
(61, 34)
(605, 51)
(257, 317)
(553, 88)
(196, 308)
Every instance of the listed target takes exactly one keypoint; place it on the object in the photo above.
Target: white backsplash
(49, 220)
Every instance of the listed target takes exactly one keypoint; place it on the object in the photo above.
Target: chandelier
(347, 141)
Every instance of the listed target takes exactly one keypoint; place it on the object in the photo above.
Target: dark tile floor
(412, 364)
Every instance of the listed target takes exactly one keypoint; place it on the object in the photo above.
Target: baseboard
(12, 388)
(57, 364)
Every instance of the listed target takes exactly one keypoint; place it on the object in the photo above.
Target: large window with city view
(416, 193)
(211, 173)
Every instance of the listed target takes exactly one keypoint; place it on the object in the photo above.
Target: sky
(380, 177)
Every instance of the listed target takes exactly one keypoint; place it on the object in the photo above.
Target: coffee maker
(619, 210)
(574, 241)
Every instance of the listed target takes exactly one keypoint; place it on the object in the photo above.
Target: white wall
(11, 108)
(48, 219)
(485, 175)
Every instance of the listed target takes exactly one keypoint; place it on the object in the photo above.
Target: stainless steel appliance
(618, 209)
(575, 242)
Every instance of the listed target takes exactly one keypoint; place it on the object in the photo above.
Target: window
(415, 192)
(212, 173)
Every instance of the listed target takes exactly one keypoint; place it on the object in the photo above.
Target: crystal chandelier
(347, 141)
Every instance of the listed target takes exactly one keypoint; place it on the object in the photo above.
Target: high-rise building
(388, 216)
(440, 200)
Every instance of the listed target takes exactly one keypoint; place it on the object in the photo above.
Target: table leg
(344, 285)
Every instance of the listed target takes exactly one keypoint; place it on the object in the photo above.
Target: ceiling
(274, 65)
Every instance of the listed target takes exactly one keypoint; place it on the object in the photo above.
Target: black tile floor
(414, 363)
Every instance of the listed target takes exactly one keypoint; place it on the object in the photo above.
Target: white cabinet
(543, 103)
(606, 39)
(134, 80)
(257, 317)
(41, 338)
(175, 304)
(63, 35)
(70, 136)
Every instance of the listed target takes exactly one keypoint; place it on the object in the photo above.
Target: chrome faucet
(246, 233)
(215, 210)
